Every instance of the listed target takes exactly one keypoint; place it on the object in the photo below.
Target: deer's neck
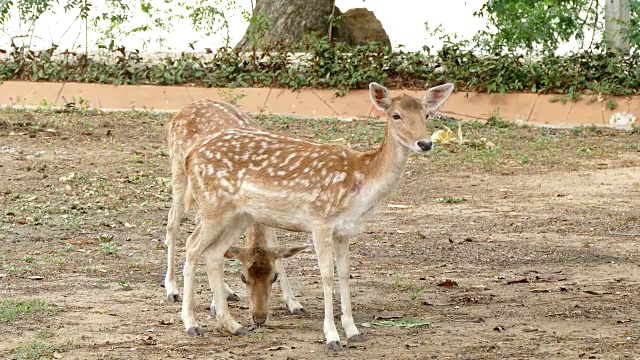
(383, 167)
(257, 236)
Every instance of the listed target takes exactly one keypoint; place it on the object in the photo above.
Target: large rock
(359, 27)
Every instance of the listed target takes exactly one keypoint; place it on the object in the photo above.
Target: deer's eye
(396, 117)
(243, 278)
(275, 277)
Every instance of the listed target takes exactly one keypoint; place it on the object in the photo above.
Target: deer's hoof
(240, 331)
(233, 297)
(357, 338)
(171, 298)
(334, 346)
(195, 331)
(300, 312)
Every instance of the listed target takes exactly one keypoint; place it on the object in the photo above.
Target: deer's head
(258, 270)
(408, 115)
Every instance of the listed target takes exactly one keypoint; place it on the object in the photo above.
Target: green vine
(340, 67)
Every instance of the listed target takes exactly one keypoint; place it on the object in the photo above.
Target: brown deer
(242, 176)
(194, 123)
(259, 270)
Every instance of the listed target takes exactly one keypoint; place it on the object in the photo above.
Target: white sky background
(401, 19)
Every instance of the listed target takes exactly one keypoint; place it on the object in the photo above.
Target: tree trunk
(289, 21)
(616, 18)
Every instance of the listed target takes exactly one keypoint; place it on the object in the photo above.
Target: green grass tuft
(451, 200)
(12, 309)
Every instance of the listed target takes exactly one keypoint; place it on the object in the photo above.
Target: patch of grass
(37, 349)
(12, 309)
(105, 238)
(495, 120)
(275, 122)
(400, 283)
(44, 333)
(137, 159)
(108, 248)
(451, 200)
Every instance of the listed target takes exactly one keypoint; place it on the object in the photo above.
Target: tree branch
(333, 11)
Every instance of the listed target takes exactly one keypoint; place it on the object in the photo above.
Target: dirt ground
(538, 228)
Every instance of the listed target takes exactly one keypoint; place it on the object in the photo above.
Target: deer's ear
(234, 253)
(436, 96)
(379, 96)
(285, 252)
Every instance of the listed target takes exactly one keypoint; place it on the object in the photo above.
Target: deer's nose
(259, 319)
(425, 145)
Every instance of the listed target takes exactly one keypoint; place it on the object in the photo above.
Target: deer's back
(200, 119)
(272, 176)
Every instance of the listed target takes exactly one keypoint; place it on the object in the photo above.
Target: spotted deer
(242, 176)
(194, 123)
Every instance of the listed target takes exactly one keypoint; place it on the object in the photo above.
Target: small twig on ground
(623, 234)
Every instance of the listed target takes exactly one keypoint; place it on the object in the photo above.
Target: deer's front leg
(322, 242)
(215, 271)
(341, 250)
(214, 256)
(290, 300)
(231, 296)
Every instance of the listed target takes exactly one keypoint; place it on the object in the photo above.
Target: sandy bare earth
(540, 236)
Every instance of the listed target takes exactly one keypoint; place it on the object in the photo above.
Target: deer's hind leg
(176, 212)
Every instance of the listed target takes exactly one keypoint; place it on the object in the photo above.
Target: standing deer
(261, 262)
(242, 176)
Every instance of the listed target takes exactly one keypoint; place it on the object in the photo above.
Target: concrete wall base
(526, 108)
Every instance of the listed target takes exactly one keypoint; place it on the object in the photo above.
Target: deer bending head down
(241, 176)
(258, 268)
(261, 258)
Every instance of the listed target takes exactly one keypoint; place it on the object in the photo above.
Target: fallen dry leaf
(553, 278)
(388, 316)
(540, 290)
(443, 136)
(166, 322)
(592, 292)
(149, 340)
(448, 282)
(398, 206)
(519, 281)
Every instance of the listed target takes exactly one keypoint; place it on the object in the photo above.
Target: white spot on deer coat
(339, 176)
